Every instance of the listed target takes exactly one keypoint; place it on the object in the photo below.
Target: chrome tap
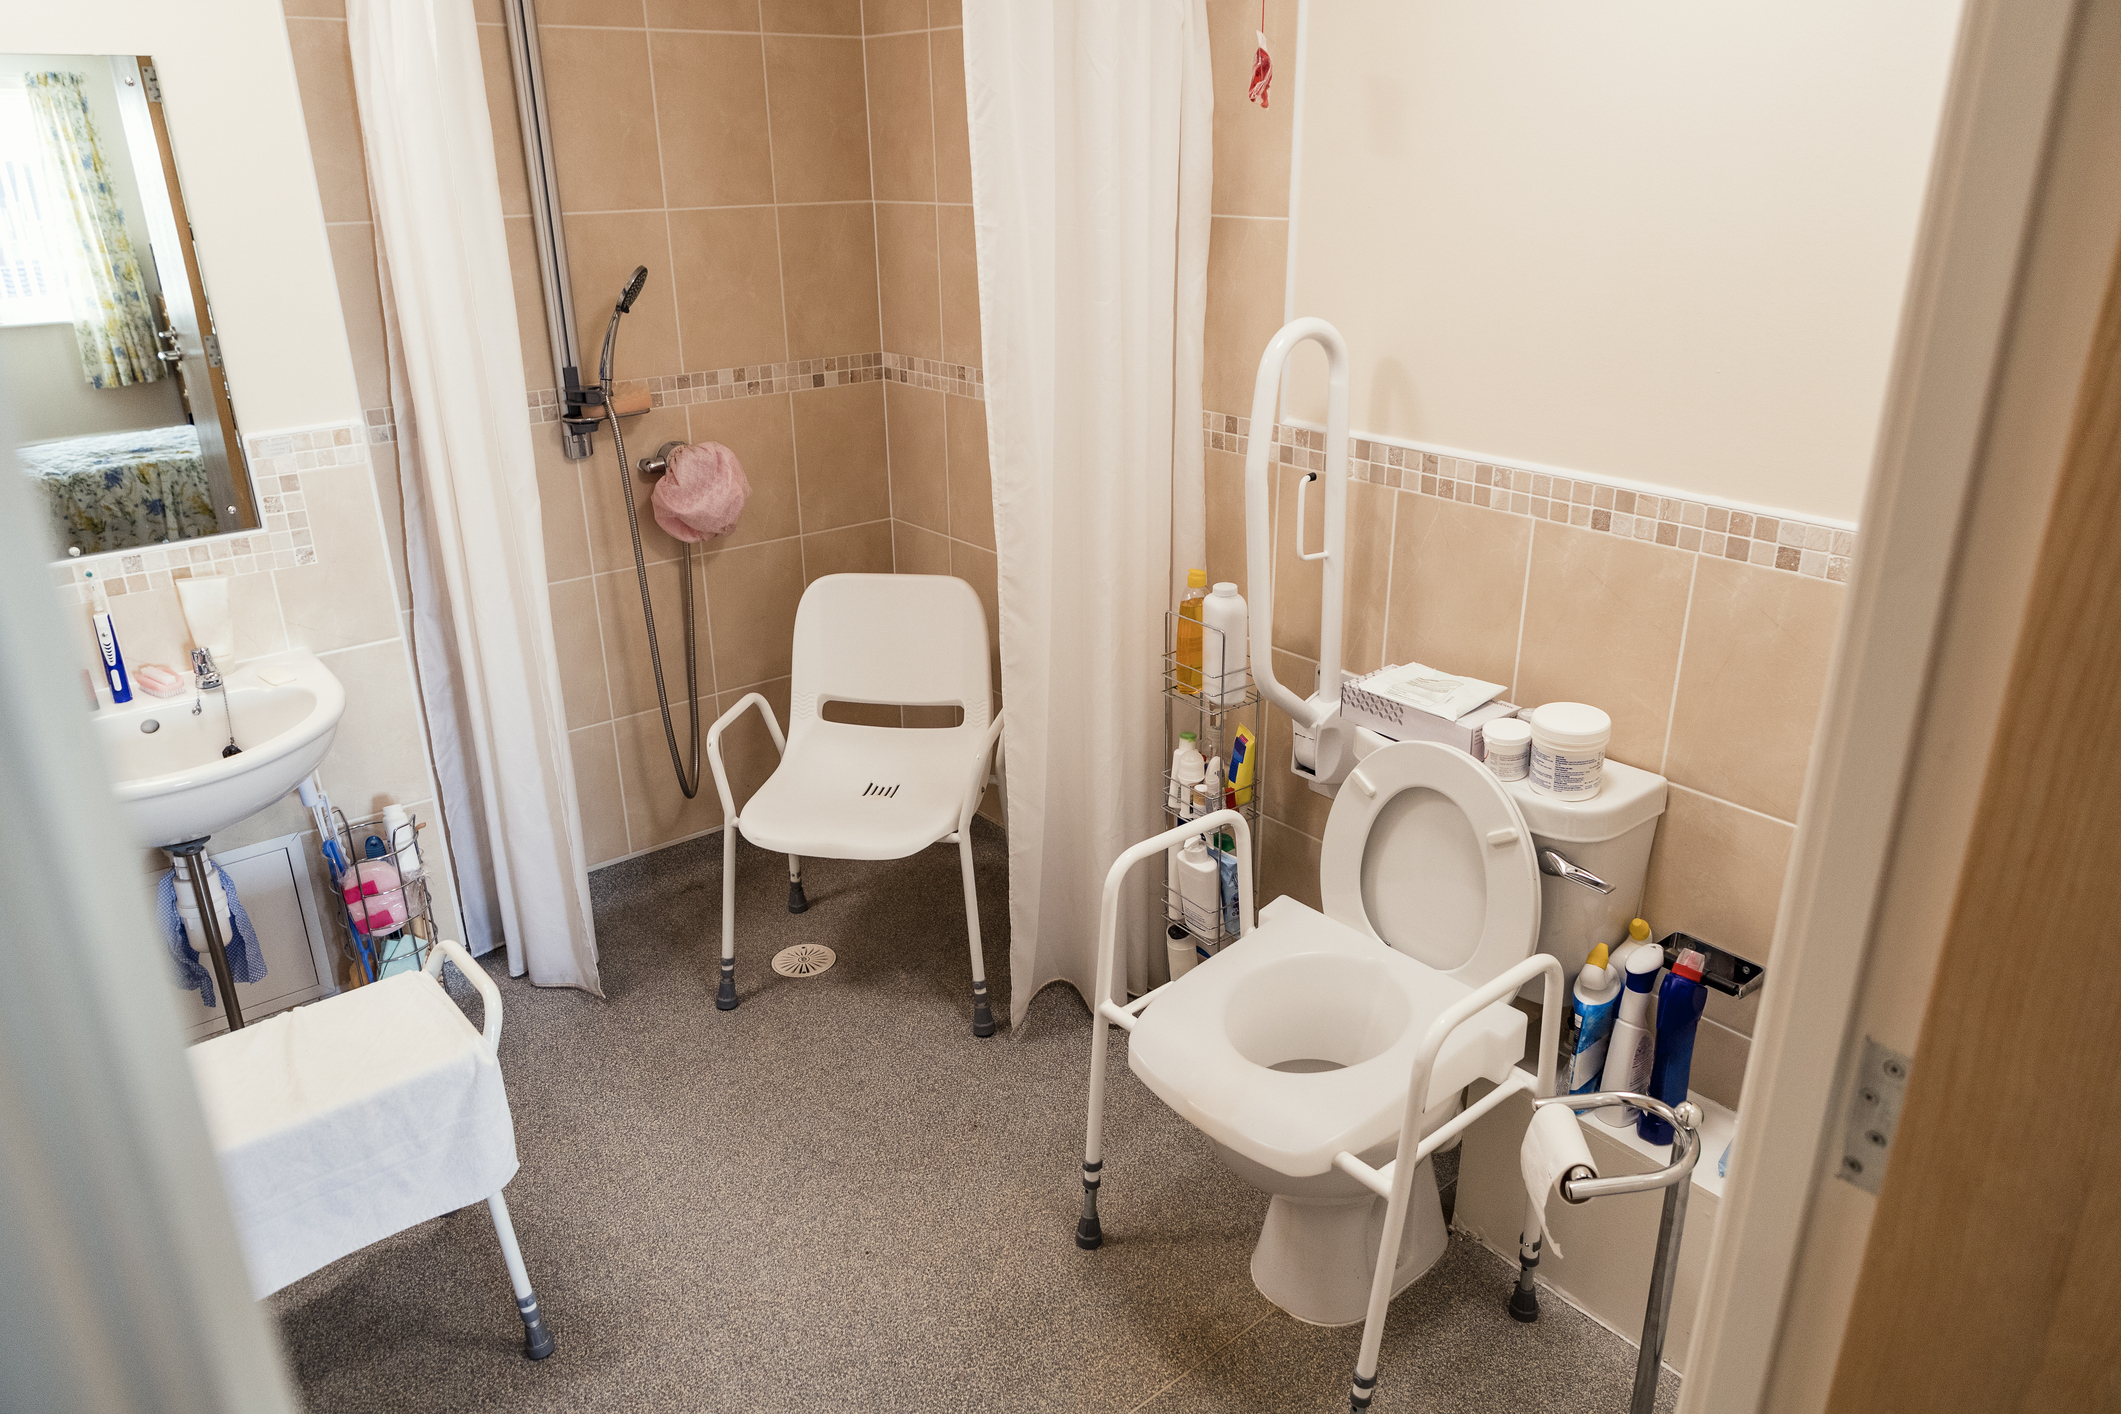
(202, 666)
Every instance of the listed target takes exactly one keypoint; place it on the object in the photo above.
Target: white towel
(205, 604)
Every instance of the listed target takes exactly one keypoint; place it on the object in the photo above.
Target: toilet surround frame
(1395, 1181)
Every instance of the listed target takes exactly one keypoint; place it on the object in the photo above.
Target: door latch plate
(1874, 1114)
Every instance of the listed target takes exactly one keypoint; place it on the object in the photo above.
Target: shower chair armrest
(714, 744)
(450, 950)
(1384, 1181)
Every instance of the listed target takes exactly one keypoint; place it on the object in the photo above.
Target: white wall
(1659, 241)
(235, 119)
(40, 367)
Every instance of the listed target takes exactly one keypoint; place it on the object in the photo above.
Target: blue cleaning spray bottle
(1593, 1003)
(1679, 1004)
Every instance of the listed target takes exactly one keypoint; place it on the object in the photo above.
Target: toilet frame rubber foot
(797, 899)
(1088, 1234)
(537, 1340)
(725, 998)
(982, 1014)
(1361, 1393)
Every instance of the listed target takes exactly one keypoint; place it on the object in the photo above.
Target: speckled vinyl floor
(835, 1198)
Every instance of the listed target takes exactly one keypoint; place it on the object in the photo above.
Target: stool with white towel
(1555, 1158)
(340, 1123)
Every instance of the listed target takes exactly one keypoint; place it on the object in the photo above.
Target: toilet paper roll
(1553, 1145)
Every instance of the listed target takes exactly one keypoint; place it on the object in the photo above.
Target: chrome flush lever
(1553, 861)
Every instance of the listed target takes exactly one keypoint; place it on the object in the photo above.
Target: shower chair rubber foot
(982, 1018)
(797, 901)
(537, 1341)
(1361, 1393)
(1088, 1235)
(725, 997)
(1524, 1304)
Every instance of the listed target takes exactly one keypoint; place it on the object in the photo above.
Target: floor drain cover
(804, 960)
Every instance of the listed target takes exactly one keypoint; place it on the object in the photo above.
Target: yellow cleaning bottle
(1189, 606)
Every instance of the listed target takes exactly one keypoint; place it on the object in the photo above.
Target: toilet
(1297, 1042)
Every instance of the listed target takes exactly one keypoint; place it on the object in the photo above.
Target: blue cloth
(246, 960)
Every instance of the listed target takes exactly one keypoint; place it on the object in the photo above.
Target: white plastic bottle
(1188, 771)
(1223, 658)
(1628, 1054)
(1199, 887)
(403, 840)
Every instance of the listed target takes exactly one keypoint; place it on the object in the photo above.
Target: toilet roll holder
(1580, 1185)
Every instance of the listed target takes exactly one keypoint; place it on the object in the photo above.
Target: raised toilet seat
(1297, 1042)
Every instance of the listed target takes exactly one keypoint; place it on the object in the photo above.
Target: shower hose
(688, 780)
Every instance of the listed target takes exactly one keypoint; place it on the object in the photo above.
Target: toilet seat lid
(1426, 851)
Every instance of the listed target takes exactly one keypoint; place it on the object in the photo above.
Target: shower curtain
(1090, 124)
(482, 625)
(113, 314)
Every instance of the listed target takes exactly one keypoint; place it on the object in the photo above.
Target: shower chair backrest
(915, 639)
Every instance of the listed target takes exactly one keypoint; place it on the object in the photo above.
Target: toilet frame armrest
(453, 951)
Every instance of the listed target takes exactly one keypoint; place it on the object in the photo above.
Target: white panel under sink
(272, 878)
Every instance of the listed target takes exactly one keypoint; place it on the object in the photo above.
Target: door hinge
(1874, 1114)
(150, 84)
(213, 350)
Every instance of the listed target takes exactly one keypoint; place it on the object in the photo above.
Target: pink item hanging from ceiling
(702, 495)
(1262, 63)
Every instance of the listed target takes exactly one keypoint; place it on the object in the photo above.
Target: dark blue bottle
(1679, 1004)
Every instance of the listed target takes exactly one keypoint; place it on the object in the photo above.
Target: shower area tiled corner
(796, 178)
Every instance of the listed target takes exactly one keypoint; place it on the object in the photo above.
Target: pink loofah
(702, 495)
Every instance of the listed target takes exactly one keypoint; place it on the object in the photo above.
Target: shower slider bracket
(659, 463)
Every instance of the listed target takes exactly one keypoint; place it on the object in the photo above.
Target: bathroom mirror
(121, 412)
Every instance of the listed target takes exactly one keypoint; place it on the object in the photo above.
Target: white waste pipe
(1320, 710)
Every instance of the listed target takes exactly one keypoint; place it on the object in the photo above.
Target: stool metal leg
(537, 1341)
(193, 855)
(1650, 1360)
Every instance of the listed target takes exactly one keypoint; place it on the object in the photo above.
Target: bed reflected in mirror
(119, 406)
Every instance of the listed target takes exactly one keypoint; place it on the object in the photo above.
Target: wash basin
(165, 753)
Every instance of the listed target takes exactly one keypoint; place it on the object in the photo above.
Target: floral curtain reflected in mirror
(122, 415)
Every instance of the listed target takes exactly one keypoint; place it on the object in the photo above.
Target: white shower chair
(843, 791)
(342, 1122)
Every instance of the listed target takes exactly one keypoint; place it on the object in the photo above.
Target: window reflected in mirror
(119, 404)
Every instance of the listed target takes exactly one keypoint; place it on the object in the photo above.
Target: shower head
(627, 296)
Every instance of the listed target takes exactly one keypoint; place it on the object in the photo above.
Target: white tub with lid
(1509, 748)
(1568, 748)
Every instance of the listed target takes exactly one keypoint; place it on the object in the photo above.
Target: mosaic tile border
(1697, 526)
(278, 461)
(757, 381)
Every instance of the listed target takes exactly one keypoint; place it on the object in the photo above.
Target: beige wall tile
(839, 456)
(1602, 622)
(751, 598)
(318, 9)
(625, 634)
(1758, 642)
(614, 13)
(813, 16)
(1225, 475)
(971, 481)
(1716, 872)
(151, 629)
(345, 598)
(507, 125)
(596, 787)
(953, 148)
(378, 755)
(1370, 523)
(560, 503)
(919, 467)
(604, 497)
(353, 260)
(907, 279)
(828, 271)
(728, 287)
(748, 749)
(1718, 1069)
(1252, 143)
(601, 98)
(1289, 798)
(960, 277)
(324, 76)
(901, 127)
(1247, 262)
(815, 93)
(254, 612)
(485, 12)
(946, 12)
(579, 640)
(657, 812)
(602, 252)
(390, 500)
(891, 16)
(1457, 587)
(1288, 866)
(1298, 584)
(710, 100)
(761, 432)
(529, 282)
(853, 549)
(918, 551)
(703, 14)
(980, 569)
